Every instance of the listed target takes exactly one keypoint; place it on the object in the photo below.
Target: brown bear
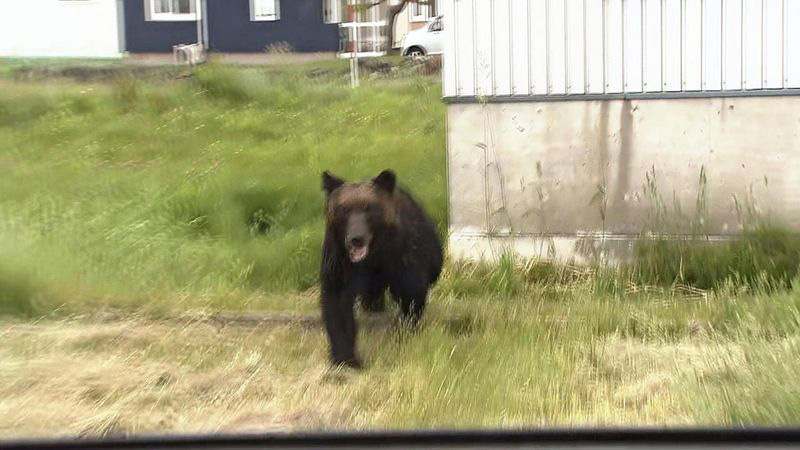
(376, 236)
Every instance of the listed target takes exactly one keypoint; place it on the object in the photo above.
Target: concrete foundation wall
(571, 179)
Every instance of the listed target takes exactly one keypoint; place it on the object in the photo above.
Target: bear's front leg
(411, 290)
(340, 323)
(373, 298)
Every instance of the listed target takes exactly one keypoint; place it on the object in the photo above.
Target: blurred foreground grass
(542, 356)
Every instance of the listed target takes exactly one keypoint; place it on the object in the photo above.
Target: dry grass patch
(88, 377)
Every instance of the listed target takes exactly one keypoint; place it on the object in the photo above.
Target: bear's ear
(386, 180)
(330, 182)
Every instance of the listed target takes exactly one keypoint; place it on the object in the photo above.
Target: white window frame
(423, 12)
(350, 28)
(152, 16)
(335, 7)
(255, 18)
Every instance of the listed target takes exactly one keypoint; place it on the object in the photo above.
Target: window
(436, 25)
(374, 13)
(170, 10)
(332, 11)
(348, 11)
(265, 10)
(419, 12)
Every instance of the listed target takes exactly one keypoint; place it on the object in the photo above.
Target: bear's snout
(357, 249)
(358, 237)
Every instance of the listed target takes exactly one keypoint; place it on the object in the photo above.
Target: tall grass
(765, 255)
(143, 192)
(762, 258)
(171, 189)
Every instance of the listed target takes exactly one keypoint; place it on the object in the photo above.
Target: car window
(262, 238)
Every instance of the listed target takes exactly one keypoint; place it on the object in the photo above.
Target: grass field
(161, 229)
(152, 192)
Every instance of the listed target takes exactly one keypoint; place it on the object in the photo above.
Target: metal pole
(198, 11)
(354, 51)
(351, 35)
(352, 70)
(206, 38)
(355, 54)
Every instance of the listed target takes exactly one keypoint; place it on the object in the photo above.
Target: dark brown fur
(403, 254)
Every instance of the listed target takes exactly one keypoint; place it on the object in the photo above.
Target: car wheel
(415, 52)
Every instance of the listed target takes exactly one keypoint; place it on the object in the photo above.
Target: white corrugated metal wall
(575, 47)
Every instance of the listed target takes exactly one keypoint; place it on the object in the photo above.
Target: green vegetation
(762, 258)
(137, 204)
(162, 190)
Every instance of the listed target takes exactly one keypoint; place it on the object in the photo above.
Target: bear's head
(359, 214)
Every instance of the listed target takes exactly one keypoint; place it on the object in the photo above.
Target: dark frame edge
(715, 436)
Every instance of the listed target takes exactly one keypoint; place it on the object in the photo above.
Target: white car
(424, 41)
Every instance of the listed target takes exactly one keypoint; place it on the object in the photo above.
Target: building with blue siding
(229, 25)
(111, 28)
